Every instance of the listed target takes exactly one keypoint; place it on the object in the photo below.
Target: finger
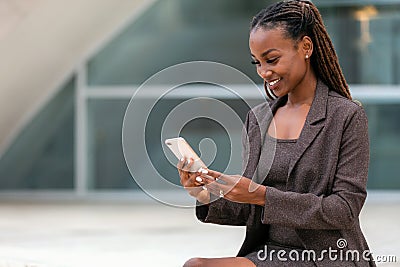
(188, 163)
(202, 176)
(181, 163)
(201, 171)
(184, 176)
(220, 176)
(188, 183)
(214, 174)
(191, 182)
(199, 180)
(188, 179)
(226, 179)
(207, 179)
(212, 189)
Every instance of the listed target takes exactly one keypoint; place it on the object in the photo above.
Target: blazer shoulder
(262, 107)
(259, 111)
(339, 104)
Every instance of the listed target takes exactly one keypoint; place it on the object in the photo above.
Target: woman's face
(280, 62)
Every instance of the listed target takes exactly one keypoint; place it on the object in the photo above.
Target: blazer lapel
(267, 148)
(265, 121)
(312, 126)
(314, 123)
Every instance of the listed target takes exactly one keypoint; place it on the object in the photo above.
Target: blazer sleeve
(223, 211)
(341, 208)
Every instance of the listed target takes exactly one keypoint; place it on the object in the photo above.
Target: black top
(277, 177)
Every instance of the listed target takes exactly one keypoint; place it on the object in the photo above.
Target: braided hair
(299, 18)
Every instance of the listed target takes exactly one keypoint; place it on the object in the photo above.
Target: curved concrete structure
(43, 43)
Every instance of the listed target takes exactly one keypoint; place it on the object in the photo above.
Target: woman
(304, 209)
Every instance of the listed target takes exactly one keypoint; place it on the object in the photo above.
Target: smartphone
(182, 149)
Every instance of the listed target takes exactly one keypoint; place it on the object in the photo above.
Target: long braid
(300, 18)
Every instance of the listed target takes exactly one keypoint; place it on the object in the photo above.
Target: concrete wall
(42, 44)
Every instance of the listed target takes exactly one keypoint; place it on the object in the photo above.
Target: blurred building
(69, 73)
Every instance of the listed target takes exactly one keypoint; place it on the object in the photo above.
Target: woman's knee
(194, 262)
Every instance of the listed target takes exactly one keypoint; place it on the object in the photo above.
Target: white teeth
(274, 82)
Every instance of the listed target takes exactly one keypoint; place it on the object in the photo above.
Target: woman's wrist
(259, 198)
(204, 197)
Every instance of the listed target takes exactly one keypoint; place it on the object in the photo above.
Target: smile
(274, 82)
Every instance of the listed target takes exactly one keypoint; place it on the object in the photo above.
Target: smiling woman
(311, 196)
(283, 19)
(285, 68)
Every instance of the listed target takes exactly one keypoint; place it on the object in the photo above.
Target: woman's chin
(279, 93)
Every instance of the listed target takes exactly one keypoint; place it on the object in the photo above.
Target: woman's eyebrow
(266, 52)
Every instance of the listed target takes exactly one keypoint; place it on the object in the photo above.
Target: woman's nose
(264, 73)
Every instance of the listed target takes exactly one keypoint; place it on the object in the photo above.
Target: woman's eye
(272, 60)
(254, 62)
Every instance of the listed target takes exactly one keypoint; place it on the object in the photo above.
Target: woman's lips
(274, 84)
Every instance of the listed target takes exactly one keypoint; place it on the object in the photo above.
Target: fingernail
(198, 179)
(188, 161)
(182, 159)
(203, 171)
(204, 187)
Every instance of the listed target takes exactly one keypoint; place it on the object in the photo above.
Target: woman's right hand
(188, 180)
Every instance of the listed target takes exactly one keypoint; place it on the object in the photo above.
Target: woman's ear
(307, 46)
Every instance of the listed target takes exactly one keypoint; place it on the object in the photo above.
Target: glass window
(174, 31)
(42, 156)
(384, 132)
(366, 38)
(107, 168)
(366, 35)
(107, 164)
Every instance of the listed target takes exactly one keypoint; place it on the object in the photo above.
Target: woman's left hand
(235, 188)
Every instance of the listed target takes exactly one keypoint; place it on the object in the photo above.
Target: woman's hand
(235, 188)
(188, 180)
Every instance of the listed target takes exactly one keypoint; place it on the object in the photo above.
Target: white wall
(42, 45)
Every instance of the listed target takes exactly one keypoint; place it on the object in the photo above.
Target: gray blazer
(326, 182)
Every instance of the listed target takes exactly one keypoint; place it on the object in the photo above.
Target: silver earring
(306, 56)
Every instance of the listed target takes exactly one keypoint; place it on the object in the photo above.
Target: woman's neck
(304, 93)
